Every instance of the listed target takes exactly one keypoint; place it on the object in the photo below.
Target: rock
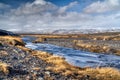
(2, 52)
(7, 33)
(48, 73)
(40, 78)
(36, 68)
(39, 40)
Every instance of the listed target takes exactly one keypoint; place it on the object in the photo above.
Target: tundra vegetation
(45, 65)
(108, 42)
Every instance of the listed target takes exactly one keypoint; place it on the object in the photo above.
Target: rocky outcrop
(7, 33)
(7, 37)
(39, 40)
(11, 40)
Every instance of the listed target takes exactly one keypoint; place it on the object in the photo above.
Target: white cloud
(40, 2)
(114, 2)
(37, 7)
(104, 6)
(40, 15)
(64, 8)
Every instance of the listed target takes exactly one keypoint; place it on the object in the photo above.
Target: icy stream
(77, 57)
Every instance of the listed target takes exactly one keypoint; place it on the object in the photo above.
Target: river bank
(19, 62)
(107, 43)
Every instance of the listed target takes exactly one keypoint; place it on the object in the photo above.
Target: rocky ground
(103, 42)
(20, 63)
(23, 66)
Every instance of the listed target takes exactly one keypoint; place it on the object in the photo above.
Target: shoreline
(106, 43)
(56, 67)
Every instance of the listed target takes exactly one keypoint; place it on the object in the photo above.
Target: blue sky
(16, 3)
(36, 15)
(81, 3)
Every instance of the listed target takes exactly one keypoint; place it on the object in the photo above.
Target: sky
(36, 15)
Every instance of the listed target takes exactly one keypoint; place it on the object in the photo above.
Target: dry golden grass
(39, 40)
(2, 52)
(59, 65)
(23, 48)
(92, 46)
(11, 40)
(4, 68)
(36, 68)
(49, 36)
(113, 37)
(95, 36)
(64, 36)
(102, 73)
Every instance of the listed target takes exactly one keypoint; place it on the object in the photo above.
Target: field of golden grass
(59, 65)
(91, 46)
(114, 36)
(110, 47)
(11, 40)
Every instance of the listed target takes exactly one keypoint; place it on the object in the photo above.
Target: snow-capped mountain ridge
(70, 31)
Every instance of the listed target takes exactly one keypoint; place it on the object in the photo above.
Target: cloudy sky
(35, 15)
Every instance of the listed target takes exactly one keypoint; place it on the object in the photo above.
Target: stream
(76, 57)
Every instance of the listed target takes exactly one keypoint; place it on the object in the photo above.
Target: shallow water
(77, 57)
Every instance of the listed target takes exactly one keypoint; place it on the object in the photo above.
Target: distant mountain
(79, 31)
(69, 31)
(74, 31)
(6, 33)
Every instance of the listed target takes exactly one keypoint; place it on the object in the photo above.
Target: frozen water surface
(78, 57)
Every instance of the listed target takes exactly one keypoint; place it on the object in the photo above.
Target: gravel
(24, 66)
